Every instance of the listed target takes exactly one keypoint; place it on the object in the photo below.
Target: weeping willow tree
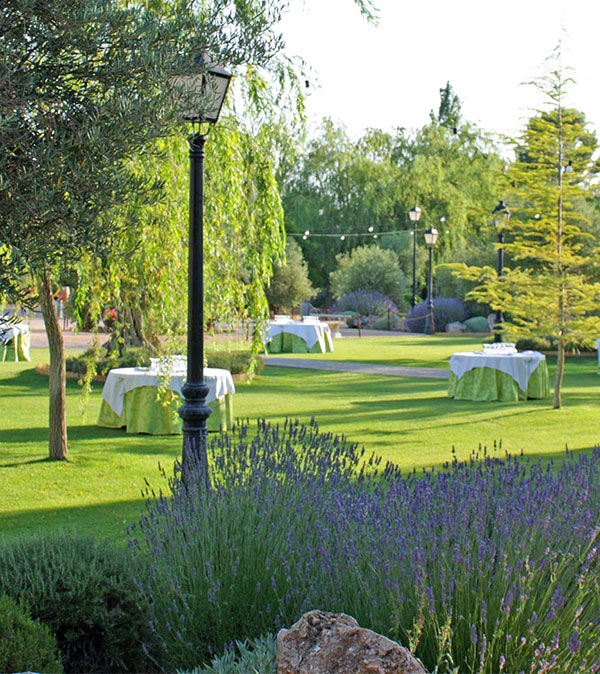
(144, 276)
(550, 287)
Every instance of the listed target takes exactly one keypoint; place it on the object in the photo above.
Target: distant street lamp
(414, 214)
(204, 91)
(431, 237)
(501, 216)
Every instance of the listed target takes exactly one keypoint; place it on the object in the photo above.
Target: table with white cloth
(14, 341)
(308, 336)
(598, 348)
(481, 375)
(130, 399)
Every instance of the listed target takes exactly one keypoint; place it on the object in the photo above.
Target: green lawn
(408, 421)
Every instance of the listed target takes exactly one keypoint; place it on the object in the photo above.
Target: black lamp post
(501, 217)
(205, 90)
(414, 214)
(431, 237)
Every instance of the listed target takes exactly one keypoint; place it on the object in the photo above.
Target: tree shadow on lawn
(86, 438)
(105, 520)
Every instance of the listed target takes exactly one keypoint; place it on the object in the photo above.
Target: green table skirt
(285, 342)
(485, 383)
(17, 348)
(143, 413)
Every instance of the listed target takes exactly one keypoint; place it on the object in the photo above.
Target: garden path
(366, 368)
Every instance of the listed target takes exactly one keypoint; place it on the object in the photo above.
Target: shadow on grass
(109, 518)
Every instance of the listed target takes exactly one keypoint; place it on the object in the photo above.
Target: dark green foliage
(25, 644)
(369, 268)
(105, 360)
(84, 590)
(237, 362)
(477, 324)
(290, 284)
(533, 343)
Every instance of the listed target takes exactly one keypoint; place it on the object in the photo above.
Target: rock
(455, 327)
(334, 643)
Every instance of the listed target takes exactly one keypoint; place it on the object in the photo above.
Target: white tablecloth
(519, 366)
(124, 379)
(310, 331)
(7, 333)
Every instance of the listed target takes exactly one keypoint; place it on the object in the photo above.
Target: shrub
(290, 284)
(382, 323)
(477, 324)
(134, 356)
(256, 656)
(490, 564)
(84, 590)
(25, 644)
(445, 310)
(534, 344)
(365, 303)
(236, 361)
(369, 268)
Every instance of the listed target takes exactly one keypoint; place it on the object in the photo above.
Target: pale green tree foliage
(290, 284)
(369, 268)
(547, 290)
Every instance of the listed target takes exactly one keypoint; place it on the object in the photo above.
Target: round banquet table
(130, 399)
(298, 337)
(14, 342)
(504, 377)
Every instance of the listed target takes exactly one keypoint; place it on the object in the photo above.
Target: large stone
(334, 643)
(455, 327)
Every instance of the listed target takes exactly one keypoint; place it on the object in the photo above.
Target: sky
(390, 75)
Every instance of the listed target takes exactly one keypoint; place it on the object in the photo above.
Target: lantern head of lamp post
(202, 95)
(414, 214)
(431, 236)
(501, 214)
(203, 91)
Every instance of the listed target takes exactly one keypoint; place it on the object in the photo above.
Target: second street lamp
(205, 92)
(414, 214)
(431, 237)
(501, 216)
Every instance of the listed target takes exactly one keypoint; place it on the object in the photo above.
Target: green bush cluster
(25, 644)
(134, 356)
(236, 361)
(84, 590)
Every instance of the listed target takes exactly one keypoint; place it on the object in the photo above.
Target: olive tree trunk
(57, 434)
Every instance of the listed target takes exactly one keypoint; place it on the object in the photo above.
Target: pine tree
(548, 290)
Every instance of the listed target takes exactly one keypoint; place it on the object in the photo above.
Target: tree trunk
(560, 368)
(57, 435)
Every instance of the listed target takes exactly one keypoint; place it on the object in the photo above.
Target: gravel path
(366, 368)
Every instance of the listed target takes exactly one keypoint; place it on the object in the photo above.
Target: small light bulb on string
(442, 219)
(306, 233)
(371, 228)
(343, 237)
(537, 216)
(374, 236)
(304, 237)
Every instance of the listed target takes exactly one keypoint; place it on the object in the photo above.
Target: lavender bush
(445, 310)
(365, 303)
(485, 567)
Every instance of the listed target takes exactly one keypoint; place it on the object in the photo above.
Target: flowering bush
(109, 316)
(488, 566)
(445, 310)
(365, 303)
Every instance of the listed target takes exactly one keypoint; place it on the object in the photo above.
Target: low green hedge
(85, 591)
(25, 644)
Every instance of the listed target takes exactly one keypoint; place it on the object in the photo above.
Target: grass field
(408, 421)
